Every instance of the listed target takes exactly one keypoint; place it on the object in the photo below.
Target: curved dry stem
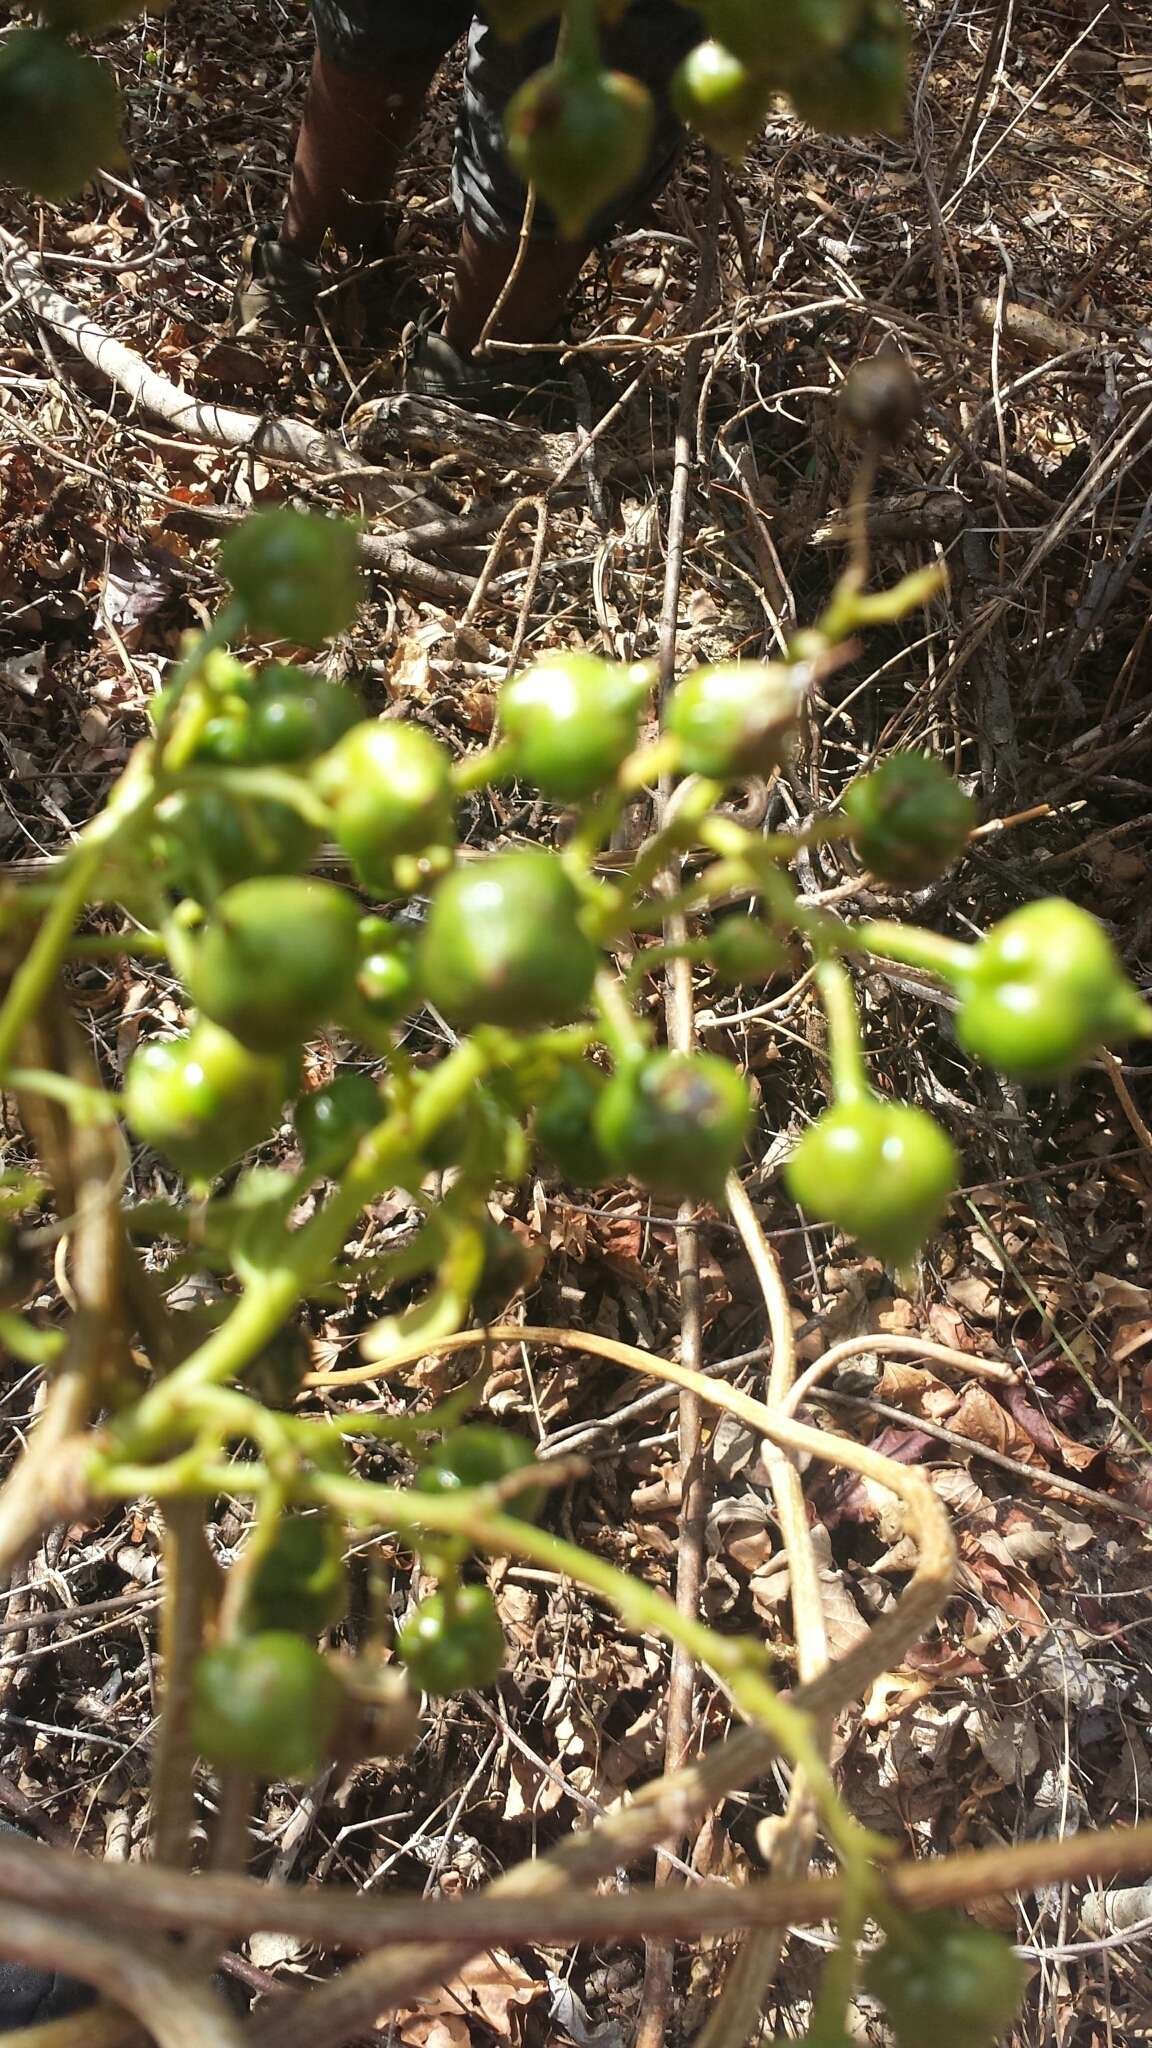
(88, 1167)
(734, 2017)
(895, 1632)
(335, 2011)
(101, 2026)
(922, 1349)
(177, 2013)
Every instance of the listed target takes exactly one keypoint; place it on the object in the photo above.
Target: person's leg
(649, 42)
(353, 129)
(373, 64)
(535, 304)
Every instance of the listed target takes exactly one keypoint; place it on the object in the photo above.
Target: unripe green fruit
(300, 1583)
(580, 138)
(294, 573)
(330, 1121)
(883, 1172)
(861, 89)
(720, 98)
(202, 1100)
(210, 839)
(780, 37)
(276, 959)
(734, 720)
(59, 115)
(947, 1981)
(565, 1125)
(481, 1455)
(390, 789)
(450, 1644)
(742, 950)
(267, 1704)
(677, 1122)
(295, 716)
(1044, 991)
(910, 820)
(571, 720)
(385, 988)
(503, 944)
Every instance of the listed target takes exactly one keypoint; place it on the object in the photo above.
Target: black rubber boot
(29, 1996)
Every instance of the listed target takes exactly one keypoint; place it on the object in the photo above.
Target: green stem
(477, 771)
(388, 1156)
(624, 1035)
(915, 947)
(127, 807)
(101, 945)
(24, 1341)
(737, 1662)
(645, 767)
(86, 1105)
(850, 609)
(845, 1051)
(581, 35)
(274, 785)
(176, 742)
(682, 825)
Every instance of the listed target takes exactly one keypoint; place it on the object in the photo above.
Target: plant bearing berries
(266, 1703)
(275, 959)
(570, 721)
(910, 820)
(294, 573)
(1044, 991)
(59, 114)
(717, 95)
(503, 944)
(676, 1122)
(580, 138)
(946, 1980)
(479, 1455)
(203, 1099)
(883, 1172)
(390, 789)
(734, 720)
(453, 1641)
(330, 1121)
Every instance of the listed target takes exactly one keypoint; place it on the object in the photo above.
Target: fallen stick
(376, 551)
(215, 426)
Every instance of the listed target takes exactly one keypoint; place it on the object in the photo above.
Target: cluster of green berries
(513, 940)
(510, 940)
(581, 133)
(269, 1702)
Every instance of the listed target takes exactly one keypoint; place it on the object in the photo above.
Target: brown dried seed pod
(882, 398)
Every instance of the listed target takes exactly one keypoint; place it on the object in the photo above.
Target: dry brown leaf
(492, 1988)
(1007, 1740)
(915, 1389)
(980, 1417)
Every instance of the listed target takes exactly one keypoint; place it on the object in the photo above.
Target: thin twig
(736, 2015)
(679, 1018)
(61, 1883)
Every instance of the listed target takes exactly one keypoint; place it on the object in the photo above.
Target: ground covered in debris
(1004, 246)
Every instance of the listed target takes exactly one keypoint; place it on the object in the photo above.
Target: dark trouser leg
(534, 305)
(352, 133)
(649, 41)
